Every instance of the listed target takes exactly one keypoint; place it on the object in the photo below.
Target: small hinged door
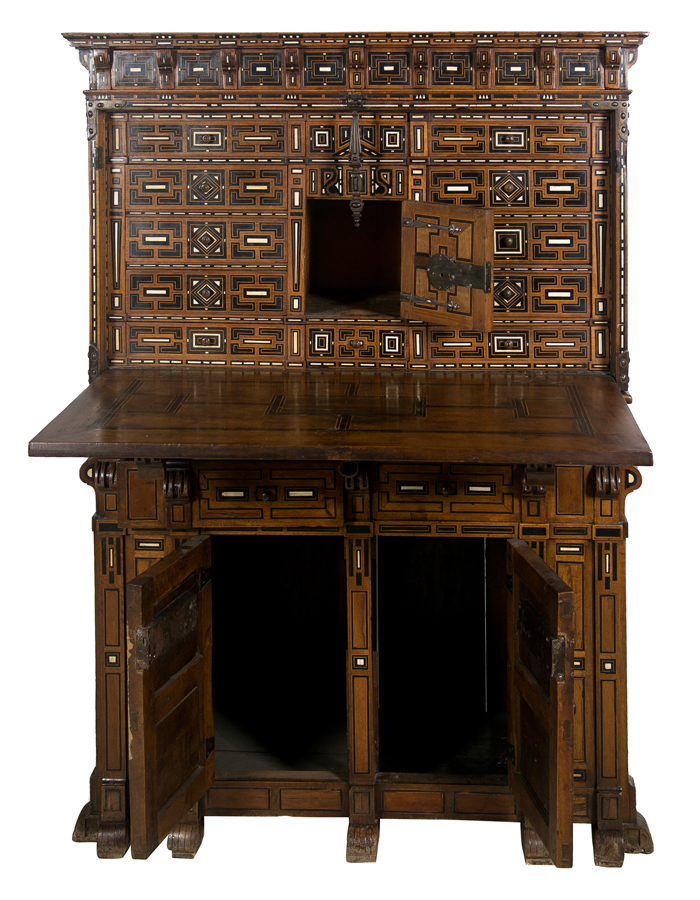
(540, 700)
(171, 722)
(446, 258)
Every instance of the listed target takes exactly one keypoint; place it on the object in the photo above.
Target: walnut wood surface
(495, 418)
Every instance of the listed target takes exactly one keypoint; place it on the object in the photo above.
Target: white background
(47, 680)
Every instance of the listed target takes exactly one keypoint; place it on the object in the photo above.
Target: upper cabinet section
(584, 63)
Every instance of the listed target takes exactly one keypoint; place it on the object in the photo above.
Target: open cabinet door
(446, 256)
(171, 720)
(540, 700)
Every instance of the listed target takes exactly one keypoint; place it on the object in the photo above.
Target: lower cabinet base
(330, 798)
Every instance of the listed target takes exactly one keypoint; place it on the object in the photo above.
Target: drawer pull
(357, 343)
(208, 138)
(266, 495)
(205, 341)
(509, 345)
(510, 138)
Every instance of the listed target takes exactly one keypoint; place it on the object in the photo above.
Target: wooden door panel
(171, 728)
(434, 257)
(540, 700)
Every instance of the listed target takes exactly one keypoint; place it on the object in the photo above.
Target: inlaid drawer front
(560, 345)
(358, 345)
(379, 181)
(207, 292)
(172, 239)
(546, 242)
(232, 492)
(201, 135)
(506, 136)
(231, 188)
(443, 491)
(201, 343)
(551, 294)
(555, 188)
(329, 135)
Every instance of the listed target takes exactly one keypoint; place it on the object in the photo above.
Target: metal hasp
(355, 103)
(444, 273)
(451, 229)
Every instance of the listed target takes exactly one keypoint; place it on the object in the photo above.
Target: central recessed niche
(353, 271)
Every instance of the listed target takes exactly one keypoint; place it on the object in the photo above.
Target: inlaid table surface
(508, 418)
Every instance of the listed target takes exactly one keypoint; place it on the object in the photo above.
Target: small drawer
(356, 345)
(444, 491)
(259, 493)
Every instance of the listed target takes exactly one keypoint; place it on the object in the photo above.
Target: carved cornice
(591, 63)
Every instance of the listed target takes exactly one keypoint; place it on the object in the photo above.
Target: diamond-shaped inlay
(510, 294)
(207, 292)
(206, 240)
(205, 187)
(509, 188)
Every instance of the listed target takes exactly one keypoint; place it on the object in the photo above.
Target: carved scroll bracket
(537, 478)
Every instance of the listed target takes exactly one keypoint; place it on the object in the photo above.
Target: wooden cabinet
(359, 435)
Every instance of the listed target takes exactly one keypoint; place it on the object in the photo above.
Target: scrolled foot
(185, 839)
(637, 836)
(86, 827)
(363, 841)
(113, 840)
(533, 849)
(608, 847)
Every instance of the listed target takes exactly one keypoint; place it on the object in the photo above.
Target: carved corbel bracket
(612, 485)
(607, 481)
(176, 483)
(165, 61)
(101, 476)
(176, 490)
(356, 481)
(537, 478)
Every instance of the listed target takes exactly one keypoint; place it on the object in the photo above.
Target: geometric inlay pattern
(159, 291)
(206, 239)
(206, 187)
(198, 68)
(561, 188)
(464, 186)
(452, 68)
(205, 292)
(515, 68)
(324, 68)
(154, 187)
(261, 69)
(508, 188)
(257, 187)
(579, 68)
(154, 139)
(510, 294)
(510, 241)
(257, 292)
(456, 137)
(134, 68)
(389, 68)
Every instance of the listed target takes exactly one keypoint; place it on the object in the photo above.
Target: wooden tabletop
(508, 418)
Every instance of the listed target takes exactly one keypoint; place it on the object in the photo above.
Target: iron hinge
(511, 752)
(412, 298)
(558, 658)
(209, 744)
(451, 229)
(509, 583)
